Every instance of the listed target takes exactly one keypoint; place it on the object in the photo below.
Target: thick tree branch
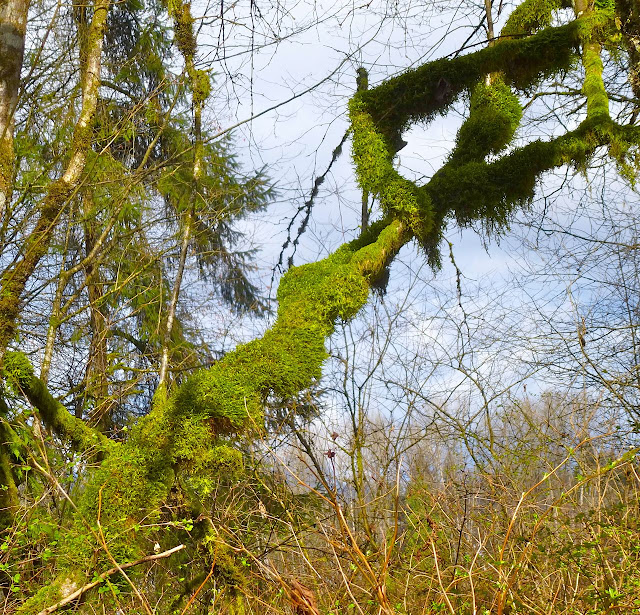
(19, 373)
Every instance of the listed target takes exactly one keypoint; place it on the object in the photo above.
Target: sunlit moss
(18, 373)
(494, 117)
(530, 16)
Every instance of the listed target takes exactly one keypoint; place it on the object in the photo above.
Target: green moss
(82, 138)
(418, 94)
(183, 24)
(185, 428)
(494, 117)
(201, 86)
(130, 481)
(18, 373)
(230, 396)
(7, 158)
(596, 26)
(51, 594)
(467, 187)
(376, 175)
(315, 295)
(530, 16)
(488, 192)
(593, 86)
(372, 259)
(206, 465)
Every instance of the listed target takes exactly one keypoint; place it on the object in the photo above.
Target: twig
(85, 588)
(213, 565)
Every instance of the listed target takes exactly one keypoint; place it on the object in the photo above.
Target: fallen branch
(85, 588)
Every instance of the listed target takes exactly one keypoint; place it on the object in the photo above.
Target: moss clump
(375, 172)
(224, 399)
(17, 371)
(313, 296)
(530, 16)
(201, 86)
(183, 24)
(596, 26)
(7, 158)
(494, 117)
(131, 484)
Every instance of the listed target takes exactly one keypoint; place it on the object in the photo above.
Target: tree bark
(13, 27)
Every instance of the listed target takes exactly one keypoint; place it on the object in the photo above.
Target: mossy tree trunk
(13, 24)
(15, 278)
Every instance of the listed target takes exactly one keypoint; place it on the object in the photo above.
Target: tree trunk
(96, 382)
(13, 27)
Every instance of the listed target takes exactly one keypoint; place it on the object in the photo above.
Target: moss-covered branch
(418, 94)
(490, 191)
(18, 373)
(182, 430)
(467, 186)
